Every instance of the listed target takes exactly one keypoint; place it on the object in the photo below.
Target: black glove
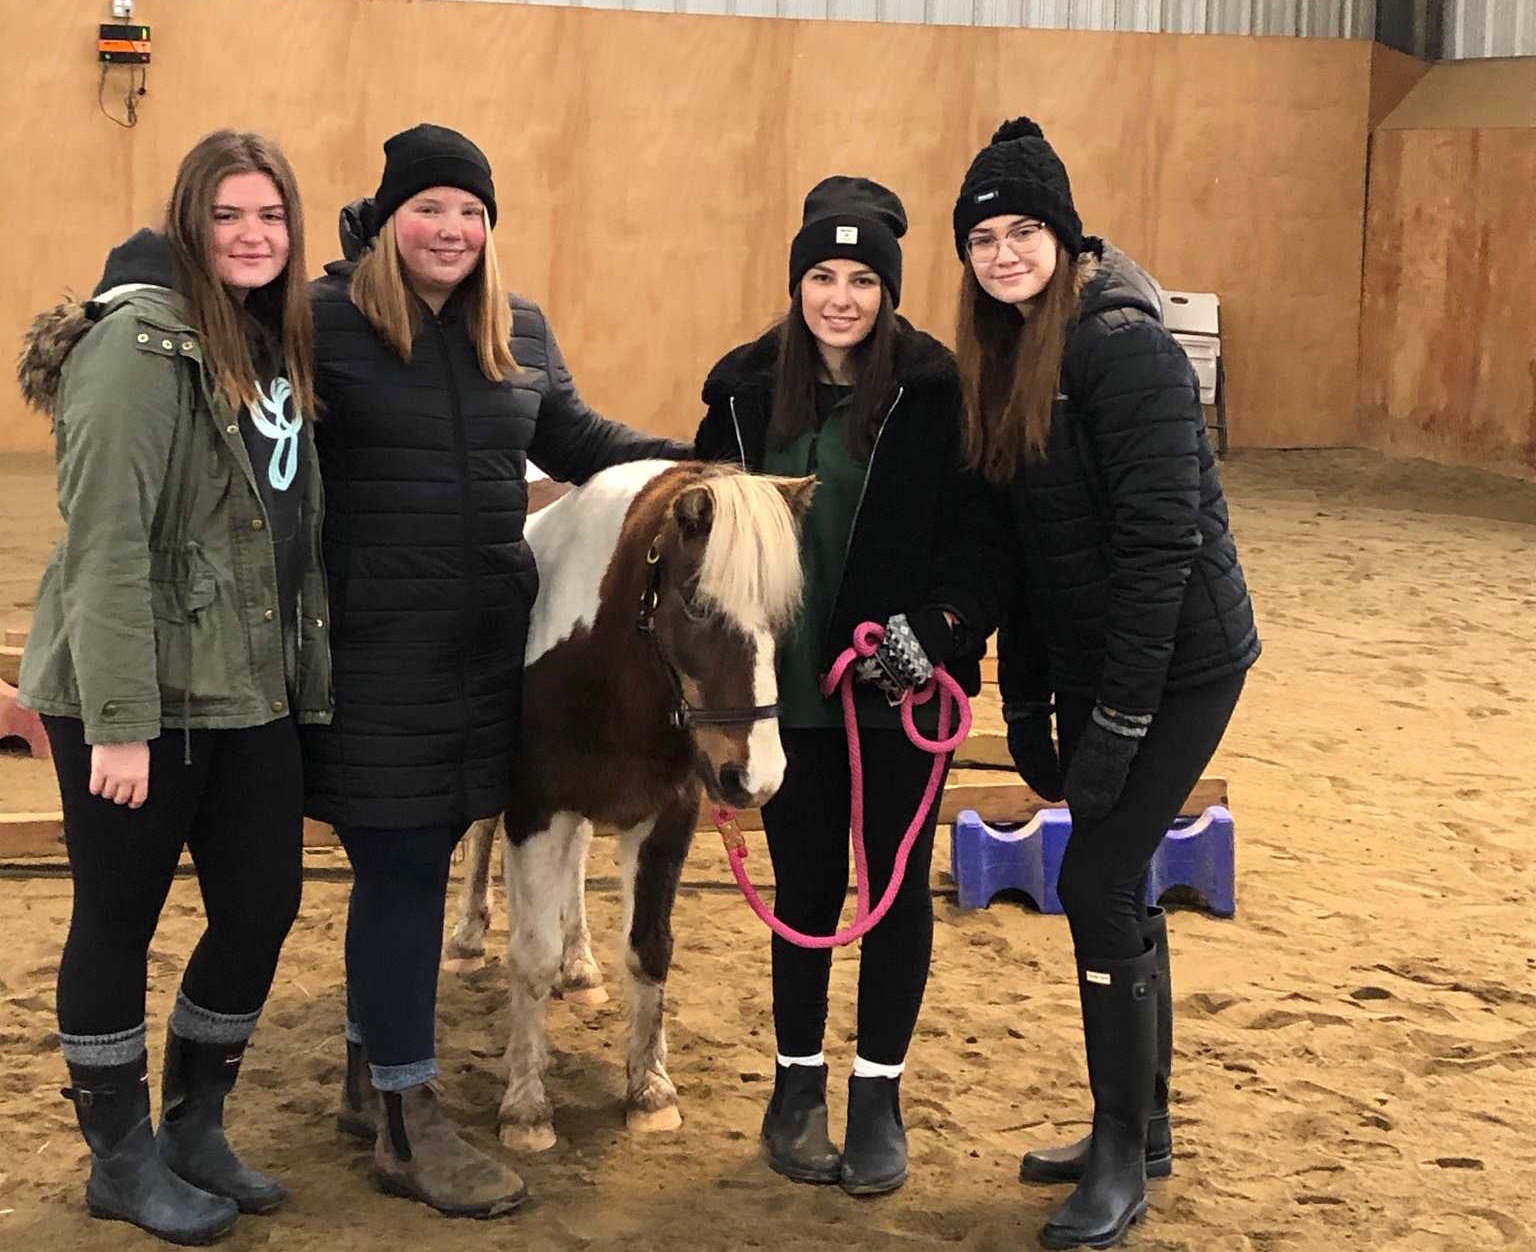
(1096, 776)
(1032, 748)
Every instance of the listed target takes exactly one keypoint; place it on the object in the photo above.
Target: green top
(823, 545)
(824, 537)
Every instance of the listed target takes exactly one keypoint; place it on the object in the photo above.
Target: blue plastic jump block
(1199, 853)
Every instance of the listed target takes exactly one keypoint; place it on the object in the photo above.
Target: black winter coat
(1132, 586)
(926, 531)
(431, 580)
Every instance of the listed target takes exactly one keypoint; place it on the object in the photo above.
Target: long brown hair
(799, 366)
(1010, 370)
(383, 295)
(281, 307)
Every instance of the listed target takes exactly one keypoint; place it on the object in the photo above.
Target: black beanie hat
(1018, 172)
(430, 156)
(854, 219)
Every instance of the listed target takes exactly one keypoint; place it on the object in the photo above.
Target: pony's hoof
(463, 964)
(654, 1121)
(540, 1138)
(590, 997)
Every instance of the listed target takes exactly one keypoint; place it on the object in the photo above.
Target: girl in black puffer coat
(438, 389)
(1134, 622)
(898, 533)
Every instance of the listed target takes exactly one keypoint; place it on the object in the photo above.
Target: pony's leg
(653, 855)
(535, 888)
(465, 949)
(581, 978)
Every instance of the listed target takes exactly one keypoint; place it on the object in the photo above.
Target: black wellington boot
(1120, 1030)
(875, 1147)
(197, 1078)
(129, 1182)
(1065, 1164)
(795, 1126)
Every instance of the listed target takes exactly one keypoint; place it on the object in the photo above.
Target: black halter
(684, 716)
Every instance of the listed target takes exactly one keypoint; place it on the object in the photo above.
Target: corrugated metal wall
(1339, 19)
(1489, 28)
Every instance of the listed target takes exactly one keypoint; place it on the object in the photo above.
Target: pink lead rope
(866, 639)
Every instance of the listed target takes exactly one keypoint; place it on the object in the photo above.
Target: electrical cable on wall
(126, 45)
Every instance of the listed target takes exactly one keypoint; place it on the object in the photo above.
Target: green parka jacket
(159, 608)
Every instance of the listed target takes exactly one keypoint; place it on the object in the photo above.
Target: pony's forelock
(750, 571)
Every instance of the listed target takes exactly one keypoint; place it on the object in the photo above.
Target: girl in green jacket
(178, 639)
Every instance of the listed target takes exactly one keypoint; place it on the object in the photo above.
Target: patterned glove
(900, 664)
(1096, 775)
(1032, 748)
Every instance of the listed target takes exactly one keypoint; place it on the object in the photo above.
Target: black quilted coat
(431, 580)
(1133, 585)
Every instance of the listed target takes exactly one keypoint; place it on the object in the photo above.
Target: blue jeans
(394, 941)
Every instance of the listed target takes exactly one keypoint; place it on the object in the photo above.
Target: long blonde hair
(1010, 370)
(383, 295)
(282, 306)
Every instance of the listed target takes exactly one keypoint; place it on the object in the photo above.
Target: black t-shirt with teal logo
(272, 427)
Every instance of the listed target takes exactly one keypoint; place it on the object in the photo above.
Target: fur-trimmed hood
(141, 262)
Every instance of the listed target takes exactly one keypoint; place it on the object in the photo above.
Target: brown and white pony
(649, 681)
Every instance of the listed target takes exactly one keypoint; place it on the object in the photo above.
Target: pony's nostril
(733, 778)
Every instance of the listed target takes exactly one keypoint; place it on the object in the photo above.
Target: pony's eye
(693, 610)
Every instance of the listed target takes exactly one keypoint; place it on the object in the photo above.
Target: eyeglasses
(1022, 238)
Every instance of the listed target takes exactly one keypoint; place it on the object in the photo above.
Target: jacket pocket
(193, 641)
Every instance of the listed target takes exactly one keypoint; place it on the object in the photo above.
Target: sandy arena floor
(1356, 1050)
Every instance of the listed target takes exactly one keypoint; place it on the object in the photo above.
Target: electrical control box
(122, 45)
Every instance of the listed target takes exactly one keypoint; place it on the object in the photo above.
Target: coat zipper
(741, 444)
(853, 526)
(466, 521)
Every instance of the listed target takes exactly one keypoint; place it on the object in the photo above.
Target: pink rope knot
(866, 641)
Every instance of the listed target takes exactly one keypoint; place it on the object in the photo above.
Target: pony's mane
(751, 566)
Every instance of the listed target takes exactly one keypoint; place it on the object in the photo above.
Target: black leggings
(807, 828)
(1103, 873)
(394, 943)
(239, 808)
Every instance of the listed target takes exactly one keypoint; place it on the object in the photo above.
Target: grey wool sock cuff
(200, 1025)
(101, 1051)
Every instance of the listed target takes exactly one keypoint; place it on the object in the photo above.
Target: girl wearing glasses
(1134, 625)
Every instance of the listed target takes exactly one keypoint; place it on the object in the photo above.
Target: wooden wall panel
(1448, 363)
(1393, 75)
(650, 167)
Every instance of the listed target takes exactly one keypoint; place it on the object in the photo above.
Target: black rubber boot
(1120, 1030)
(361, 1110)
(875, 1147)
(197, 1078)
(1065, 1164)
(795, 1126)
(129, 1182)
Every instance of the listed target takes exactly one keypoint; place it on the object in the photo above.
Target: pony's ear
(797, 493)
(694, 510)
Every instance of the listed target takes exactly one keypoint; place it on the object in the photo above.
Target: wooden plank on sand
(1002, 802)
(10, 664)
(984, 749)
(15, 638)
(31, 834)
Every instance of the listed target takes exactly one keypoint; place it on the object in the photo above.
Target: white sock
(868, 1069)
(815, 1062)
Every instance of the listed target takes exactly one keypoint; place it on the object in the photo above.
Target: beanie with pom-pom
(1018, 172)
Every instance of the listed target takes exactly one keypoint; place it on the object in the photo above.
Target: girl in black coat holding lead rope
(897, 534)
(1134, 622)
